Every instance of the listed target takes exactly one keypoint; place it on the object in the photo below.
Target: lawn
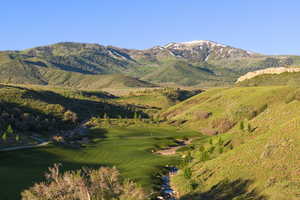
(129, 149)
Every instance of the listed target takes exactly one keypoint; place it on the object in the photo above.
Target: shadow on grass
(228, 190)
(19, 170)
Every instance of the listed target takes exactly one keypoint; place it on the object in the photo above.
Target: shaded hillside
(19, 72)
(257, 154)
(45, 111)
(202, 63)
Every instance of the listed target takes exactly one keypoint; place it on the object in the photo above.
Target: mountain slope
(202, 63)
(19, 72)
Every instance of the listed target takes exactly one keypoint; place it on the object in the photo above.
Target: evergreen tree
(249, 128)
(17, 138)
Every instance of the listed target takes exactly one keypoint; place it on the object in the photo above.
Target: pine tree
(105, 116)
(249, 128)
(17, 138)
(4, 136)
(9, 130)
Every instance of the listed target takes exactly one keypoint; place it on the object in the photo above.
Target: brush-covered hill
(201, 63)
(256, 152)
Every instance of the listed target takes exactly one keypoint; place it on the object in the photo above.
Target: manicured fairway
(126, 148)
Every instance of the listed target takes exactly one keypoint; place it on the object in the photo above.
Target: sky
(263, 26)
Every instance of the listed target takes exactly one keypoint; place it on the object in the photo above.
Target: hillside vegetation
(257, 154)
(43, 111)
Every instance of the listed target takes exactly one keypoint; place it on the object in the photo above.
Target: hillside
(23, 73)
(45, 111)
(201, 63)
(257, 154)
(290, 78)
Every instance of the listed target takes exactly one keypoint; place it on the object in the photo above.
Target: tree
(242, 126)
(17, 138)
(187, 173)
(9, 130)
(135, 116)
(4, 136)
(249, 128)
(85, 184)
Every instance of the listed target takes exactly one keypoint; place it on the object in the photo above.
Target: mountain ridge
(183, 63)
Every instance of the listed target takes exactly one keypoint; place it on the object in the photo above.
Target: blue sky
(265, 26)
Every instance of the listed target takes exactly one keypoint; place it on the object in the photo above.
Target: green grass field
(129, 149)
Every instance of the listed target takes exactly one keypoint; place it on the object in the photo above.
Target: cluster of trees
(85, 184)
(22, 121)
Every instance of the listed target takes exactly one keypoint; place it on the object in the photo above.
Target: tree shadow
(228, 190)
(84, 108)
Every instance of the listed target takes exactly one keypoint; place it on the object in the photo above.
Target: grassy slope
(126, 148)
(264, 161)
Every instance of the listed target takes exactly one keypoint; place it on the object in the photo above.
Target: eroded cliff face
(273, 70)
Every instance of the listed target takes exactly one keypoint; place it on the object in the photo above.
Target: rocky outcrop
(274, 70)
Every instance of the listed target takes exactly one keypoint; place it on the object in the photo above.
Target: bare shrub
(86, 184)
(200, 114)
(70, 116)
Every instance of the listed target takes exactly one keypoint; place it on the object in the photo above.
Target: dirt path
(42, 143)
(172, 150)
(25, 146)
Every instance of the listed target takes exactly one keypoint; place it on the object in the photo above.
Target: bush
(86, 184)
(200, 114)
(70, 116)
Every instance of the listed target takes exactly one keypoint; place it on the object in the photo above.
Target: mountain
(195, 63)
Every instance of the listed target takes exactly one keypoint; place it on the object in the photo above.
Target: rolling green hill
(256, 152)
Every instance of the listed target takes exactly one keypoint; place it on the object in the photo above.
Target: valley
(176, 138)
